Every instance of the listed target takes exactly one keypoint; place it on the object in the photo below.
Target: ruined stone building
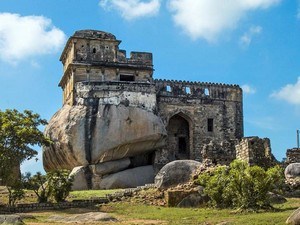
(116, 118)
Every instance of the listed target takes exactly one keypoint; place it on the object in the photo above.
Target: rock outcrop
(292, 171)
(102, 140)
(176, 172)
(128, 178)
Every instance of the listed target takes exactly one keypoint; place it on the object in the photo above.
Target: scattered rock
(83, 218)
(11, 220)
(130, 178)
(176, 172)
(276, 198)
(294, 218)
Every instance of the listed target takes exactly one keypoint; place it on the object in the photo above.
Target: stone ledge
(20, 208)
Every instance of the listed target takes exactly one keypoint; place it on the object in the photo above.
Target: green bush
(59, 184)
(240, 185)
(37, 183)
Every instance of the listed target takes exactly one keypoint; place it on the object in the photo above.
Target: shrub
(37, 183)
(241, 186)
(60, 184)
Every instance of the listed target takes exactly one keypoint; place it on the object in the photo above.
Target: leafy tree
(241, 186)
(18, 133)
(37, 183)
(60, 184)
(15, 192)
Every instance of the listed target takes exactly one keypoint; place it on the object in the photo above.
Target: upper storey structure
(91, 55)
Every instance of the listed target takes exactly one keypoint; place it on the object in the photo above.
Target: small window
(94, 50)
(206, 91)
(126, 78)
(168, 88)
(210, 125)
(188, 90)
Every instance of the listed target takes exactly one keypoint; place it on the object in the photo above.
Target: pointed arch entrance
(179, 136)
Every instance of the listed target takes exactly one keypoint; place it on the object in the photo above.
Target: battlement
(206, 90)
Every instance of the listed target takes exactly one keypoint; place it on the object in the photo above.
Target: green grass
(76, 195)
(138, 213)
(203, 215)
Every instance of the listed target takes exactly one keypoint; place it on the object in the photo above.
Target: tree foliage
(37, 183)
(18, 133)
(240, 185)
(59, 184)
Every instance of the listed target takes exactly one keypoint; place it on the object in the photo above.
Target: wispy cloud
(132, 9)
(207, 19)
(246, 38)
(27, 36)
(247, 89)
(289, 93)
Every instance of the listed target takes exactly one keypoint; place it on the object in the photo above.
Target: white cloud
(207, 19)
(27, 36)
(247, 89)
(289, 93)
(246, 38)
(132, 9)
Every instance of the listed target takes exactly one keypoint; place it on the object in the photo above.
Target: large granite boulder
(86, 135)
(130, 178)
(292, 171)
(294, 218)
(80, 181)
(110, 167)
(176, 172)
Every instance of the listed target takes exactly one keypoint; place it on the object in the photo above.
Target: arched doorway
(178, 137)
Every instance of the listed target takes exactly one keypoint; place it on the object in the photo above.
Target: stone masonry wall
(212, 112)
(255, 151)
(293, 155)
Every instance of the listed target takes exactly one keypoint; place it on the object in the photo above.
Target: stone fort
(116, 117)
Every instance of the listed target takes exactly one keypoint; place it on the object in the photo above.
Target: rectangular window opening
(126, 77)
(206, 91)
(210, 125)
(188, 90)
(168, 88)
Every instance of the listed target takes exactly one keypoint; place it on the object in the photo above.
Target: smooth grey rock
(80, 181)
(110, 167)
(86, 218)
(66, 129)
(294, 218)
(117, 132)
(176, 172)
(130, 178)
(11, 220)
(292, 171)
(193, 201)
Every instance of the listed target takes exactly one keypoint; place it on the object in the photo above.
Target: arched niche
(179, 136)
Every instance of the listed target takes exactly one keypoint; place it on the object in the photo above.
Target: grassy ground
(30, 196)
(135, 213)
(129, 213)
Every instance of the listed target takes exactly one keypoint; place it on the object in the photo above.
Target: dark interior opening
(210, 125)
(126, 78)
(181, 145)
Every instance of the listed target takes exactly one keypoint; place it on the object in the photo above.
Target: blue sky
(253, 43)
